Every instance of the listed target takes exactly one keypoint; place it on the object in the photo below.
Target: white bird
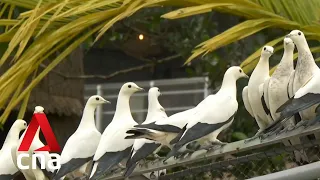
(279, 89)
(253, 93)
(305, 69)
(8, 169)
(113, 147)
(82, 144)
(31, 174)
(278, 86)
(144, 147)
(213, 114)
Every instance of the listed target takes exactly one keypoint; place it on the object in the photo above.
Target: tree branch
(123, 71)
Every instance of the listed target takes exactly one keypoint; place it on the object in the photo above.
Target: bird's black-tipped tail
(173, 152)
(129, 170)
(178, 137)
(47, 173)
(108, 161)
(70, 166)
(143, 152)
(293, 106)
(139, 133)
(175, 149)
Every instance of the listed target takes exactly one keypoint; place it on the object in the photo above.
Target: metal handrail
(234, 147)
(102, 89)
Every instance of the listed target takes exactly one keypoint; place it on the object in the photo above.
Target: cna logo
(41, 155)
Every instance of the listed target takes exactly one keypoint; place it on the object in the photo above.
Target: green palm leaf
(284, 14)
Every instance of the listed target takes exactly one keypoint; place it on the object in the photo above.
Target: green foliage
(239, 136)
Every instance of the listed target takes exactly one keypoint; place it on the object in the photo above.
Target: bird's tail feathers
(140, 133)
(173, 152)
(178, 137)
(129, 170)
(293, 106)
(284, 106)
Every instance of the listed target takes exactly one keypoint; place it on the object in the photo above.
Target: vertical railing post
(206, 87)
(151, 84)
(99, 111)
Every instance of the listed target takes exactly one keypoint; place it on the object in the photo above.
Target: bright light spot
(141, 37)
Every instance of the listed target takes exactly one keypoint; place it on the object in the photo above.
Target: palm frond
(261, 14)
(53, 25)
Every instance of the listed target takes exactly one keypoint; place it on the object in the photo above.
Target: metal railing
(187, 91)
(257, 159)
(263, 159)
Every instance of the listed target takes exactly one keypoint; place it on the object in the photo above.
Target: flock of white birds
(273, 101)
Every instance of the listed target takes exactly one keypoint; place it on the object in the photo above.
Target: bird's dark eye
(158, 90)
(97, 98)
(264, 48)
(240, 70)
(162, 174)
(299, 33)
(129, 86)
(25, 124)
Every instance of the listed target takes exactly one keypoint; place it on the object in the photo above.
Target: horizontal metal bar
(309, 171)
(146, 110)
(220, 165)
(165, 93)
(160, 82)
(230, 148)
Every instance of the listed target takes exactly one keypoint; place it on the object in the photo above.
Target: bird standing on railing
(144, 147)
(305, 86)
(113, 147)
(279, 88)
(212, 115)
(253, 96)
(37, 173)
(8, 169)
(83, 143)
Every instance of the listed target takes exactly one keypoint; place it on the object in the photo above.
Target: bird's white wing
(225, 105)
(7, 163)
(79, 150)
(141, 149)
(290, 85)
(179, 119)
(266, 92)
(246, 100)
(8, 167)
(220, 111)
(81, 145)
(113, 140)
(113, 147)
(14, 154)
(312, 85)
